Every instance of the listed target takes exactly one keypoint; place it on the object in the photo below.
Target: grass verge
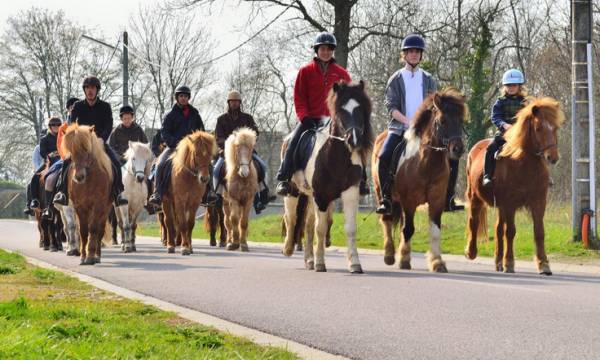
(557, 229)
(46, 314)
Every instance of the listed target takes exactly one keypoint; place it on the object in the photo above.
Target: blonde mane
(240, 137)
(184, 156)
(518, 137)
(81, 139)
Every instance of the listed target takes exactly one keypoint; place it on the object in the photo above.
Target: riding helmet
(234, 95)
(183, 90)
(126, 109)
(91, 81)
(413, 41)
(71, 101)
(513, 76)
(325, 38)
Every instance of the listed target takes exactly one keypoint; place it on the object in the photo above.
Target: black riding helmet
(91, 81)
(325, 38)
(413, 41)
(183, 90)
(71, 101)
(126, 109)
(54, 120)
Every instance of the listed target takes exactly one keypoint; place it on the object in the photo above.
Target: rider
(182, 120)
(227, 123)
(127, 131)
(503, 116)
(313, 83)
(404, 92)
(93, 112)
(47, 146)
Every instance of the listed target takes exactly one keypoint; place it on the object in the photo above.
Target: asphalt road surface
(470, 313)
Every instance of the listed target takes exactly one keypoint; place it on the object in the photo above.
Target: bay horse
(422, 172)
(334, 170)
(137, 168)
(241, 179)
(214, 220)
(521, 180)
(188, 183)
(90, 180)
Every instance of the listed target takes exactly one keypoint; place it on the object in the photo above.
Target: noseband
(440, 134)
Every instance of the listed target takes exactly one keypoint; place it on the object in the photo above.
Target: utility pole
(125, 62)
(40, 118)
(583, 179)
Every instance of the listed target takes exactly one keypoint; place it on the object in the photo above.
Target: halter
(446, 140)
(541, 151)
(194, 173)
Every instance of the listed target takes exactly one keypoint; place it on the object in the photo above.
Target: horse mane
(82, 139)
(448, 100)
(241, 136)
(184, 155)
(518, 137)
(337, 98)
(130, 152)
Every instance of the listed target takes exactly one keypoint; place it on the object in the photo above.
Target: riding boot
(149, 208)
(385, 180)
(488, 167)
(363, 187)
(47, 214)
(61, 197)
(285, 172)
(117, 185)
(34, 187)
(156, 197)
(451, 205)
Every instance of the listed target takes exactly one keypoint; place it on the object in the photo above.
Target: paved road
(472, 312)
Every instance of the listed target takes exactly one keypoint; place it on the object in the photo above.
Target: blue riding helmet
(325, 38)
(513, 76)
(413, 41)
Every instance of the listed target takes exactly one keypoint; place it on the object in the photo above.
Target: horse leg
(71, 230)
(169, 226)
(244, 227)
(83, 240)
(499, 239)
(322, 225)
(223, 230)
(408, 230)
(329, 224)
(537, 213)
(509, 235)
(475, 212)
(184, 231)
(434, 255)
(234, 218)
(94, 244)
(211, 218)
(350, 199)
(309, 231)
(122, 214)
(290, 206)
(112, 217)
(163, 227)
(133, 230)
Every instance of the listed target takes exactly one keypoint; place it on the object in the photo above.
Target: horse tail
(107, 237)
(300, 218)
(482, 226)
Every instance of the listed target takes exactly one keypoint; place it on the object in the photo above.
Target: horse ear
(535, 109)
(129, 144)
(361, 84)
(336, 87)
(92, 128)
(437, 101)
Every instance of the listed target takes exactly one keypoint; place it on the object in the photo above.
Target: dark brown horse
(188, 183)
(90, 179)
(333, 171)
(214, 220)
(520, 181)
(422, 174)
(51, 230)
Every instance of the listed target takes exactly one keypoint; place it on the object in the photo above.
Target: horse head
(82, 145)
(239, 147)
(535, 131)
(139, 160)
(202, 147)
(443, 113)
(350, 109)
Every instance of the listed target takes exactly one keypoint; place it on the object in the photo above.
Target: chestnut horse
(422, 174)
(333, 171)
(241, 186)
(188, 183)
(90, 180)
(520, 180)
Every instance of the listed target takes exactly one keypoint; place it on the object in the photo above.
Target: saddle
(305, 146)
(399, 150)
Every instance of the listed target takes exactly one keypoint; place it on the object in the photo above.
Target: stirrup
(155, 200)
(283, 188)
(385, 207)
(486, 180)
(60, 198)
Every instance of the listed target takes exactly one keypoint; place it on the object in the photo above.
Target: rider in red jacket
(313, 83)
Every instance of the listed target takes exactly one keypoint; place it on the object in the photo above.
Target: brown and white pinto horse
(422, 174)
(241, 186)
(188, 183)
(520, 180)
(334, 170)
(90, 180)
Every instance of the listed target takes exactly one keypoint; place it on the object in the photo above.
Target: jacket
(176, 126)
(227, 124)
(98, 115)
(121, 136)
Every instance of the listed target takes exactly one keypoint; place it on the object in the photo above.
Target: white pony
(136, 170)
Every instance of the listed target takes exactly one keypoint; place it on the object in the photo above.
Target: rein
(541, 151)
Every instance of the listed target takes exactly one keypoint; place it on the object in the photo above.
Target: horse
(334, 170)
(90, 180)
(137, 168)
(422, 174)
(241, 186)
(188, 183)
(214, 219)
(51, 230)
(521, 180)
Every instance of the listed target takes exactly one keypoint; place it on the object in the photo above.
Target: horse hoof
(499, 267)
(470, 255)
(245, 248)
(46, 248)
(170, 250)
(299, 247)
(232, 246)
(441, 268)
(327, 243)
(222, 244)
(186, 252)
(73, 252)
(405, 265)
(546, 272)
(509, 270)
(97, 260)
(287, 251)
(213, 242)
(53, 249)
(133, 248)
(389, 259)
(356, 269)
(310, 265)
(320, 268)
(127, 249)
(87, 261)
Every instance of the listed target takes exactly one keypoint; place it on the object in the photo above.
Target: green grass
(47, 315)
(557, 229)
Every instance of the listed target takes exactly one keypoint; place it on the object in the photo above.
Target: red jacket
(312, 87)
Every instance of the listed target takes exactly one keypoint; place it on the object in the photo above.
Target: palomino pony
(241, 186)
(137, 168)
(333, 170)
(188, 183)
(90, 179)
(422, 173)
(520, 181)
